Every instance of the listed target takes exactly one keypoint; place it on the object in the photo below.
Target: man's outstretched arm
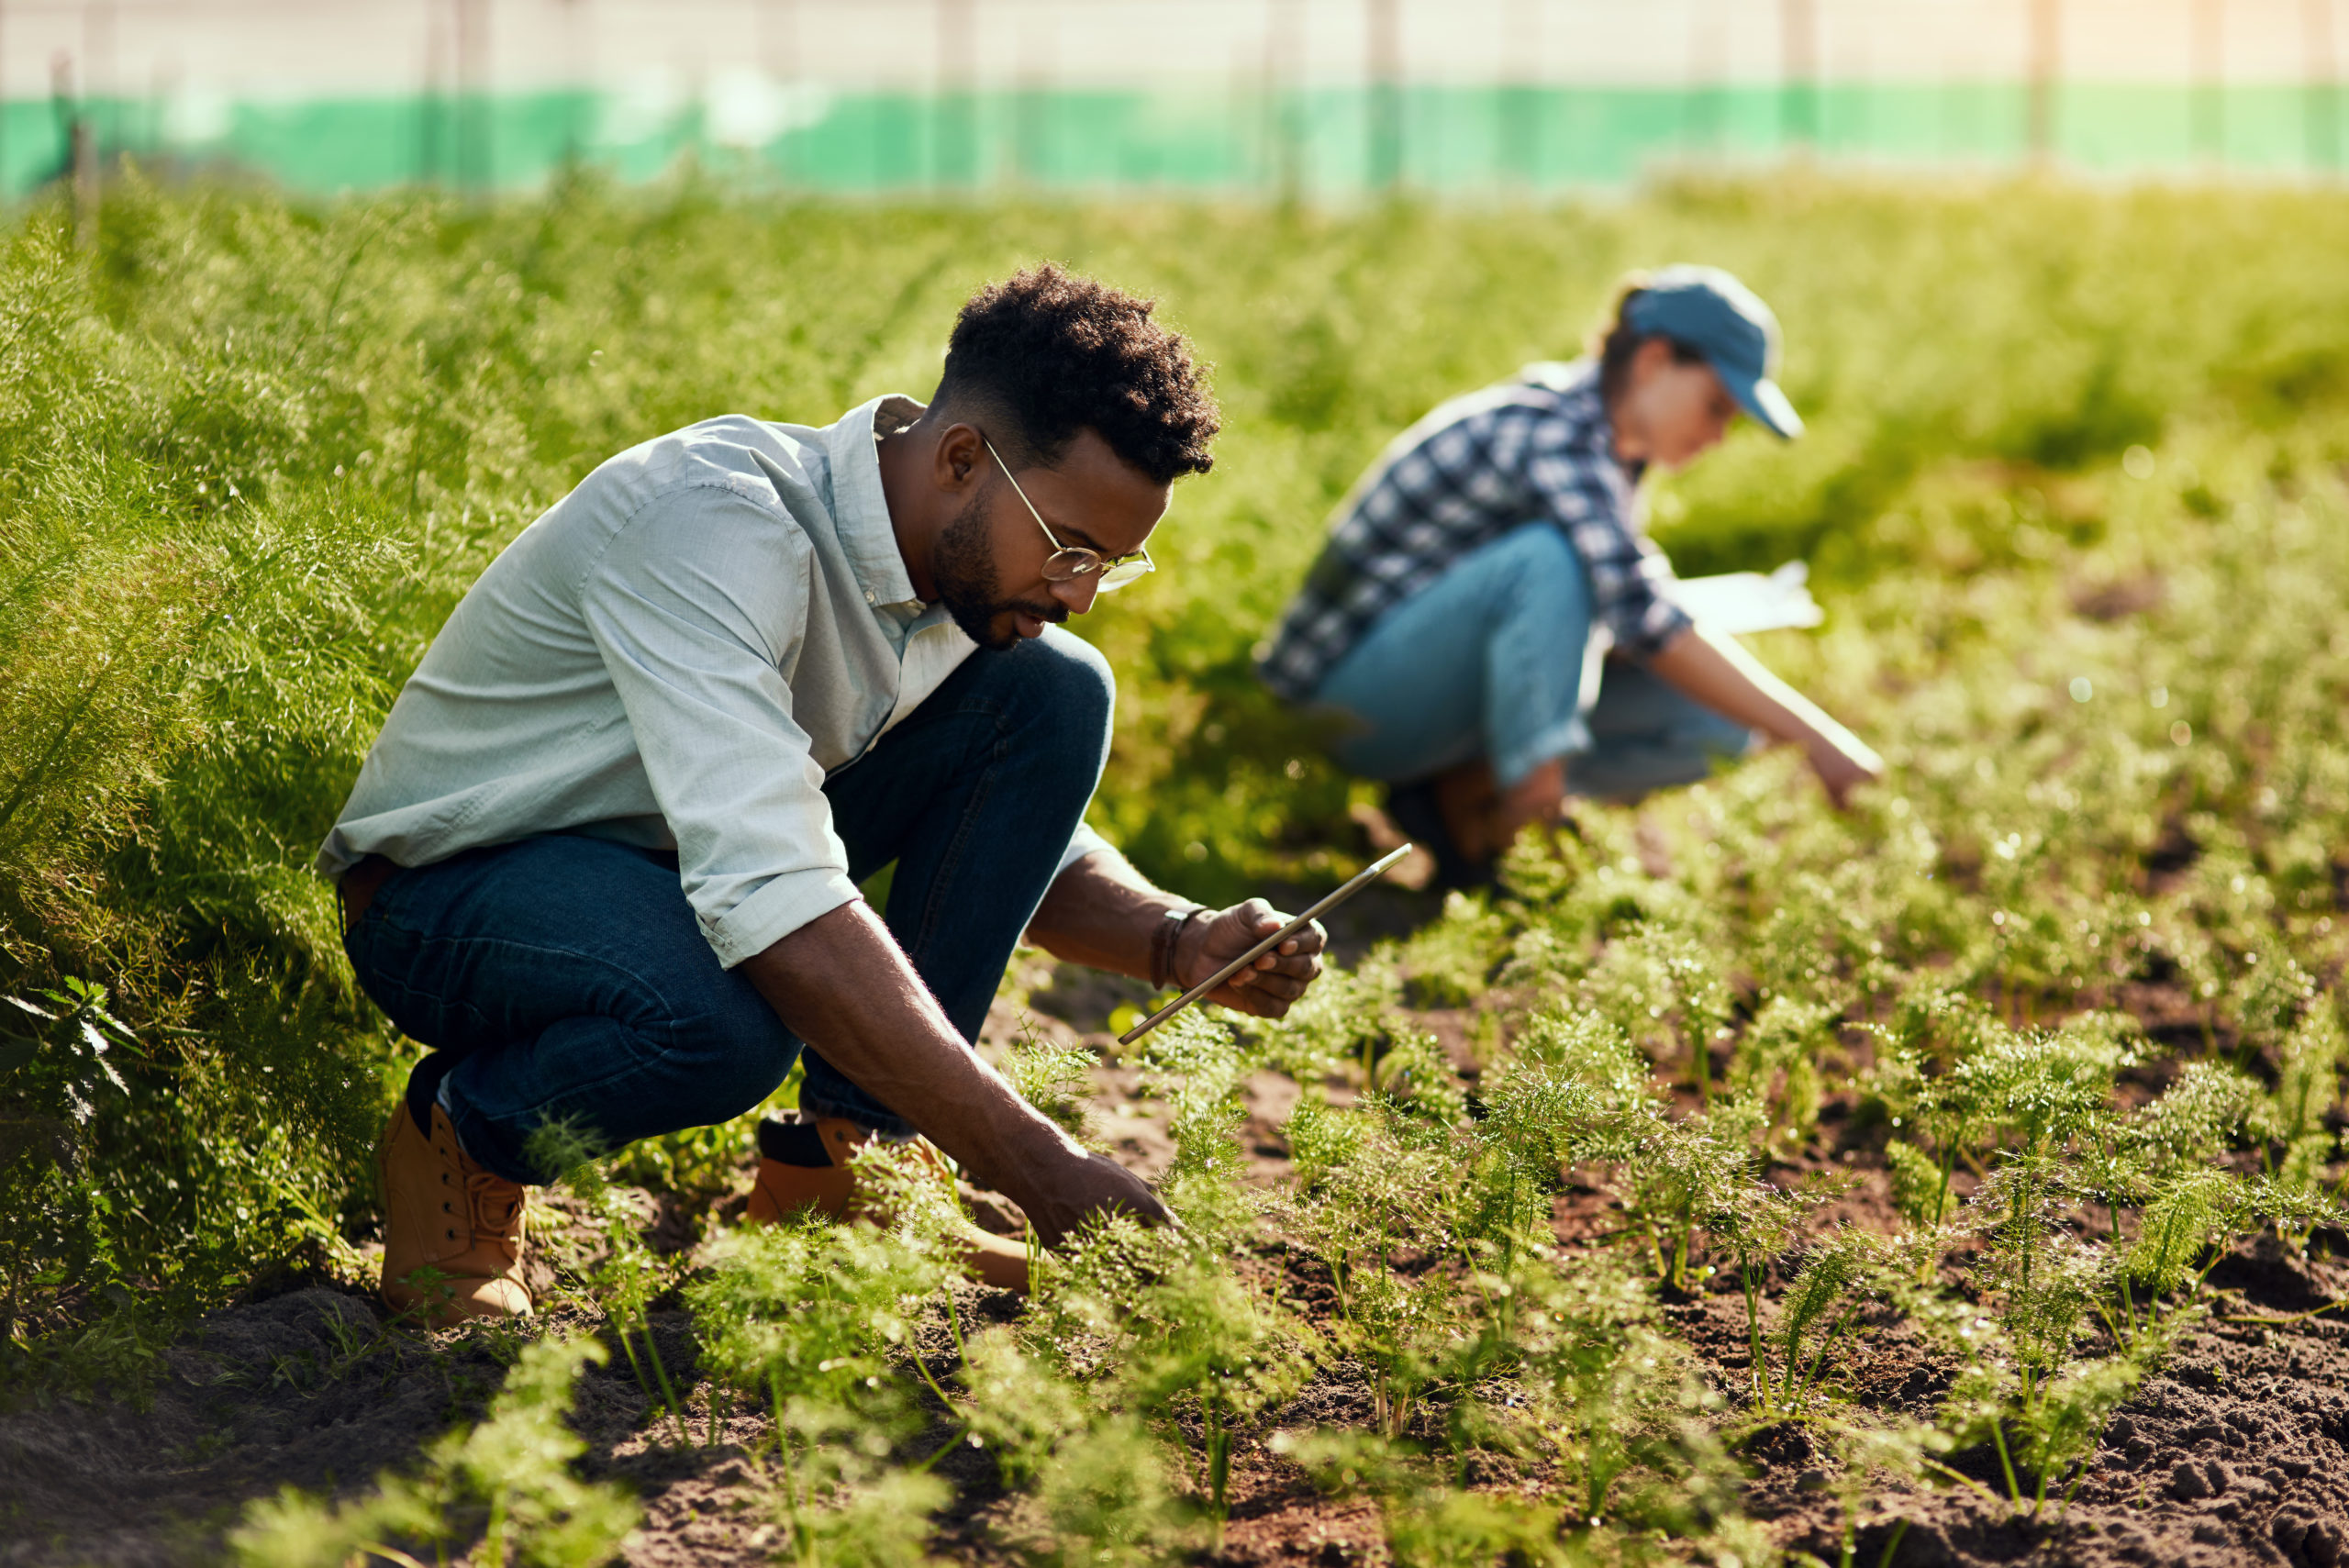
(1102, 913)
(841, 983)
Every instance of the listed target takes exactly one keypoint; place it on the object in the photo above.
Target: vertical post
(778, 53)
(80, 154)
(3, 106)
(84, 153)
(2209, 79)
(474, 161)
(1035, 105)
(574, 83)
(954, 158)
(1799, 83)
(99, 90)
(2323, 112)
(1521, 94)
(430, 139)
(1285, 94)
(1702, 130)
(2046, 70)
(1384, 21)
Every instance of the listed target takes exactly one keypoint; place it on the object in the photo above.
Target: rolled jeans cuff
(815, 1103)
(1560, 738)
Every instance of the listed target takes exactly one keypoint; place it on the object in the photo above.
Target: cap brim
(1762, 399)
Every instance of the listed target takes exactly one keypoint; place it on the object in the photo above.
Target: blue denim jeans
(565, 978)
(1493, 660)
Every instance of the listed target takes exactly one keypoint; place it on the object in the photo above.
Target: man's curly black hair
(1048, 353)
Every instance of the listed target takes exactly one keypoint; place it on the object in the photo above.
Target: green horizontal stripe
(1321, 140)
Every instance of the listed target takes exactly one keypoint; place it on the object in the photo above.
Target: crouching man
(604, 859)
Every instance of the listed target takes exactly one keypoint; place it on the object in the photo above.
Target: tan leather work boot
(443, 1212)
(785, 1188)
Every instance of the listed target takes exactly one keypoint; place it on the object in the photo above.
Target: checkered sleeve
(1396, 537)
(1585, 492)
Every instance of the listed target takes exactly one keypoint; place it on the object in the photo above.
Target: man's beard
(963, 569)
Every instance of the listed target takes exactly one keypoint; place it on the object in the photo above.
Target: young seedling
(628, 1277)
(1819, 1298)
(1397, 1191)
(515, 1466)
(1181, 1336)
(1056, 1079)
(1755, 1224)
(806, 1316)
(1662, 985)
(1777, 1061)
(1690, 1175)
(2307, 1085)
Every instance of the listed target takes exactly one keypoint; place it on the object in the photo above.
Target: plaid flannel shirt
(1535, 447)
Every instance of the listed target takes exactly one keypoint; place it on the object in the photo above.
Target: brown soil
(2237, 1452)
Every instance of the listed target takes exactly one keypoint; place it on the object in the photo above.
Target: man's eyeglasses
(1069, 561)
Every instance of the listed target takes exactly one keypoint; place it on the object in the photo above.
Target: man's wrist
(1191, 962)
(1018, 1149)
(1172, 941)
(1836, 744)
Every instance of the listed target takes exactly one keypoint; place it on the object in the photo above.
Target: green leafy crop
(1597, 1185)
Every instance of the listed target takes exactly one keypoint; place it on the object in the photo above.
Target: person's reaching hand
(1060, 1190)
(1844, 762)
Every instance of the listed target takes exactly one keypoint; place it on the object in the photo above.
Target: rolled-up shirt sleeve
(697, 614)
(1587, 493)
(1647, 616)
(1081, 844)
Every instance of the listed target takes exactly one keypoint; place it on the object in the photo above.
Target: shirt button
(868, 596)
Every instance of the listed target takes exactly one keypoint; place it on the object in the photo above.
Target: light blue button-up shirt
(676, 655)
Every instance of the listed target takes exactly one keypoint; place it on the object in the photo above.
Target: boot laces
(496, 1206)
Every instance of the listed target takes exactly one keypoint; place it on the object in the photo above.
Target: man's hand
(1061, 1192)
(1265, 987)
(841, 983)
(1103, 913)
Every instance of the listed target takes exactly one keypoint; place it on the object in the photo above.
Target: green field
(2054, 1005)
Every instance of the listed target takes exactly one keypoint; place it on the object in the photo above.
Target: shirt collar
(1576, 384)
(860, 510)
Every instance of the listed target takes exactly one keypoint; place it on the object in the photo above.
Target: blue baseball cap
(1712, 313)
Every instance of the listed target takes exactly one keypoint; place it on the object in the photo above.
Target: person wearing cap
(1489, 628)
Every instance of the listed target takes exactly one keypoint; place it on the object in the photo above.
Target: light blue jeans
(1493, 660)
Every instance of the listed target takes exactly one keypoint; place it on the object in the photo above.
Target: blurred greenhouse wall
(1312, 97)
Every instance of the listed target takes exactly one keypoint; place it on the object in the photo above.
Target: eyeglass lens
(1067, 562)
(1066, 565)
